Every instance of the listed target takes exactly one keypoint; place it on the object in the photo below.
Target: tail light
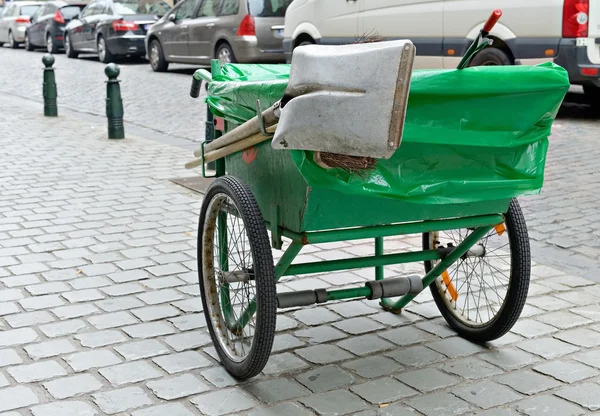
(247, 27)
(123, 26)
(59, 18)
(22, 19)
(575, 18)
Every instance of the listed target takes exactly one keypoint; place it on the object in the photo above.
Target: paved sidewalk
(100, 314)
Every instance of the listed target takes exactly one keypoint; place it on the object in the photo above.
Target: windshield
(157, 7)
(268, 8)
(70, 12)
(28, 10)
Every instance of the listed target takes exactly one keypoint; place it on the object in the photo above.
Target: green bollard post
(114, 103)
(49, 87)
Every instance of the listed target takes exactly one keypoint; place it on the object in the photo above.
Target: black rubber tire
(592, 95)
(490, 56)
(69, 51)
(264, 272)
(54, 48)
(518, 285)
(162, 65)
(108, 57)
(227, 47)
(28, 46)
(11, 41)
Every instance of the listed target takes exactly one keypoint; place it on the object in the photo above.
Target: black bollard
(114, 103)
(49, 87)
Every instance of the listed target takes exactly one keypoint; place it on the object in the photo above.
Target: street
(99, 302)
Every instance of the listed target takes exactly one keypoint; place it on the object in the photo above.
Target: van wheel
(592, 95)
(225, 54)
(157, 57)
(490, 57)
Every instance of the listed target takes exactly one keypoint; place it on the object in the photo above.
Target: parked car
(112, 28)
(533, 31)
(196, 31)
(14, 21)
(47, 26)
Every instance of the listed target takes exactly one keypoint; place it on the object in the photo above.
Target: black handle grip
(195, 90)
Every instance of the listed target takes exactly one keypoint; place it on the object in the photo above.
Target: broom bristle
(351, 164)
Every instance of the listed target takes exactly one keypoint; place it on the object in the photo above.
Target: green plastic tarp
(471, 135)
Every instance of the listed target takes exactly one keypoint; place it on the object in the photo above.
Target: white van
(530, 31)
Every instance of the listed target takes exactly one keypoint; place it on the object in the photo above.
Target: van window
(230, 8)
(268, 8)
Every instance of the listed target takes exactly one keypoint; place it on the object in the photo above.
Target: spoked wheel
(483, 294)
(237, 277)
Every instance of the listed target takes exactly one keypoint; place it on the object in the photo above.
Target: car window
(50, 9)
(157, 7)
(208, 8)
(88, 10)
(268, 8)
(70, 12)
(100, 8)
(229, 8)
(38, 13)
(28, 10)
(187, 9)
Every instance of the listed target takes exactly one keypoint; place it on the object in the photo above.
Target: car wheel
(225, 54)
(28, 45)
(592, 95)
(157, 58)
(50, 44)
(69, 47)
(103, 53)
(11, 41)
(490, 57)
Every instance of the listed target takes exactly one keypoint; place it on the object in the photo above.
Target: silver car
(14, 20)
(196, 31)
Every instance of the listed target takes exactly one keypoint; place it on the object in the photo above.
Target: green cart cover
(473, 135)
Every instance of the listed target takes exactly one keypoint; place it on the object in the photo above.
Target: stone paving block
(323, 354)
(352, 309)
(442, 330)
(164, 282)
(365, 344)
(49, 348)
(17, 337)
(154, 313)
(85, 295)
(589, 311)
(471, 368)
(581, 337)
(28, 268)
(167, 269)
(188, 340)
(75, 311)
(530, 328)
(184, 361)
(46, 288)
(337, 402)
(160, 296)
(177, 387)
(43, 370)
(101, 338)
(133, 270)
(9, 357)
(548, 406)
(60, 329)
(83, 361)
(8, 295)
(219, 377)
(563, 319)
(149, 330)
(141, 349)
(359, 325)
(119, 304)
(7, 308)
(568, 372)
(193, 321)
(580, 298)
(17, 397)
(41, 302)
(439, 404)
(550, 303)
(82, 283)
(486, 394)
(427, 310)
(64, 273)
(283, 363)
(117, 401)
(189, 305)
(572, 281)
(455, 347)
(3, 381)
(66, 387)
(509, 358)
(585, 394)
(288, 409)
(325, 378)
(528, 382)
(591, 358)
(547, 348)
(373, 367)
(28, 319)
(405, 336)
(171, 409)
(383, 390)
(131, 372)
(223, 401)
(319, 334)
(273, 391)
(416, 356)
(284, 342)
(68, 408)
(427, 379)
(22, 280)
(112, 320)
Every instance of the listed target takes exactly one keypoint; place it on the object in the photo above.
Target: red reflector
(22, 19)
(247, 27)
(122, 25)
(219, 124)
(59, 37)
(590, 72)
(59, 18)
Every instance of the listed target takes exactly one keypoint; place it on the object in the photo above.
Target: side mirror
(171, 18)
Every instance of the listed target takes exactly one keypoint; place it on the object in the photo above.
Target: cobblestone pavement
(100, 314)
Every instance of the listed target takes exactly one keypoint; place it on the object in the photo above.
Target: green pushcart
(474, 140)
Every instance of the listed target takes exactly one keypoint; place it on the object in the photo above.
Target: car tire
(225, 54)
(490, 57)
(157, 57)
(592, 95)
(28, 45)
(11, 40)
(104, 54)
(69, 51)
(51, 46)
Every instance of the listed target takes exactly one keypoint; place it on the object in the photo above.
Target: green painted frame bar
(318, 237)
(434, 273)
(361, 262)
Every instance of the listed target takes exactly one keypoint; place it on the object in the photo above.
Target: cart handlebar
(492, 20)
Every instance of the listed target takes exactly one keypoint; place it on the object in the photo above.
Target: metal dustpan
(349, 100)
